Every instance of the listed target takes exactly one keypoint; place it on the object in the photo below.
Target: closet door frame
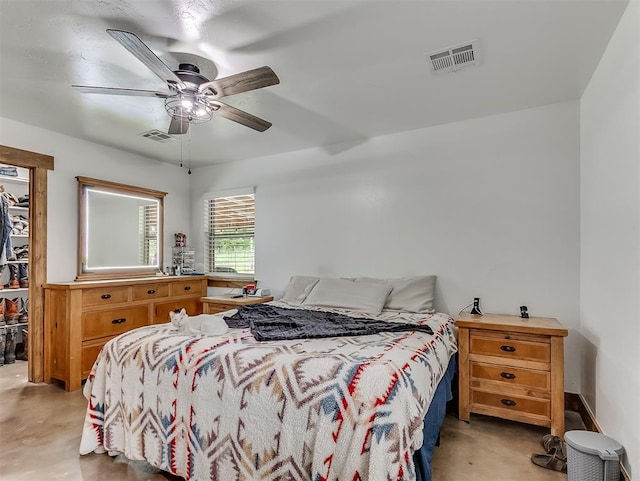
(38, 165)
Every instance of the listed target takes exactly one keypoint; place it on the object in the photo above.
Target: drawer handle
(105, 296)
(507, 375)
(187, 288)
(508, 402)
(151, 291)
(119, 321)
(508, 348)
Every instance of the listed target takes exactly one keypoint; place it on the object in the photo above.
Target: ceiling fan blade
(240, 116)
(178, 126)
(240, 82)
(143, 53)
(112, 91)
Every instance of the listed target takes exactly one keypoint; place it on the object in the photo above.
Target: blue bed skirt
(432, 422)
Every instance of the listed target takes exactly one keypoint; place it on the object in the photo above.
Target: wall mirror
(120, 230)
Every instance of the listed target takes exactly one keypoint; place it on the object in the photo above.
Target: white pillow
(344, 294)
(298, 289)
(409, 294)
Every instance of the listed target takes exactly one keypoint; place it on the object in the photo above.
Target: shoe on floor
(550, 461)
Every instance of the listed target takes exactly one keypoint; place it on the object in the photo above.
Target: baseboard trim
(576, 402)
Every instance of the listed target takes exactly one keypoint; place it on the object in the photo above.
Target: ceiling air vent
(454, 59)
(157, 135)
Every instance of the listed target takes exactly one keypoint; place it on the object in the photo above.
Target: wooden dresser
(213, 305)
(512, 368)
(80, 317)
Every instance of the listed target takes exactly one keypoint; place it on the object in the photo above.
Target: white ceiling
(349, 70)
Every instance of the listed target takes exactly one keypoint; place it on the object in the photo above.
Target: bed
(230, 407)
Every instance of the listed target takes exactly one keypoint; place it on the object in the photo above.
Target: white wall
(73, 157)
(489, 205)
(610, 237)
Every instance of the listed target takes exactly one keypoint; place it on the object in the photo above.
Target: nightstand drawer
(511, 375)
(509, 348)
(522, 404)
(215, 308)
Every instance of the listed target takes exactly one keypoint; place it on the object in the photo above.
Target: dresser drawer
(89, 356)
(193, 306)
(509, 348)
(103, 296)
(187, 288)
(522, 404)
(511, 375)
(112, 322)
(150, 291)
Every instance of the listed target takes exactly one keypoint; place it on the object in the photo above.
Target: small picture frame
(181, 239)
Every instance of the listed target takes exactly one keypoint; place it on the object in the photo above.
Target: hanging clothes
(6, 249)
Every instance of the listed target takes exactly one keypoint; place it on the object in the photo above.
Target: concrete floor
(40, 428)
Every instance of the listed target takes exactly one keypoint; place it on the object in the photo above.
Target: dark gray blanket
(272, 323)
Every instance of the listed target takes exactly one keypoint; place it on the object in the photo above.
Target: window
(229, 234)
(148, 234)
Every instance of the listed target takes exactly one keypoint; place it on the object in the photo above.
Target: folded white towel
(211, 324)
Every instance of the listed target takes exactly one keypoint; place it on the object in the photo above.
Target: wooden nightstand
(212, 305)
(512, 368)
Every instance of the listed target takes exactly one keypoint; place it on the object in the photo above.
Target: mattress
(230, 407)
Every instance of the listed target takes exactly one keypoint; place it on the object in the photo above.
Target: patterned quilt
(232, 408)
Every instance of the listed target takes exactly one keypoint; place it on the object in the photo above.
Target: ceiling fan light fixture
(192, 97)
(189, 108)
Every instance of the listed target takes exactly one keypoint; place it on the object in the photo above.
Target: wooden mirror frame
(114, 187)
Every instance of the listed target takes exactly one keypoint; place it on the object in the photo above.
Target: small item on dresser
(181, 239)
(523, 312)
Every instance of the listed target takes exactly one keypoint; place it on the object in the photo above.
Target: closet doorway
(38, 165)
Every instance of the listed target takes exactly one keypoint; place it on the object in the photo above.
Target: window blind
(148, 220)
(229, 234)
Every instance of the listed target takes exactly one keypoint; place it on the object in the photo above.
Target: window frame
(221, 278)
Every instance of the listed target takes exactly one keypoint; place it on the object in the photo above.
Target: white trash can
(592, 456)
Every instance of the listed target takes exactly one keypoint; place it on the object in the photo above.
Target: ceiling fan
(191, 97)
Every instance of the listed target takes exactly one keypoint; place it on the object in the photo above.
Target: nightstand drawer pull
(508, 402)
(119, 321)
(507, 375)
(105, 296)
(151, 291)
(187, 288)
(508, 348)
